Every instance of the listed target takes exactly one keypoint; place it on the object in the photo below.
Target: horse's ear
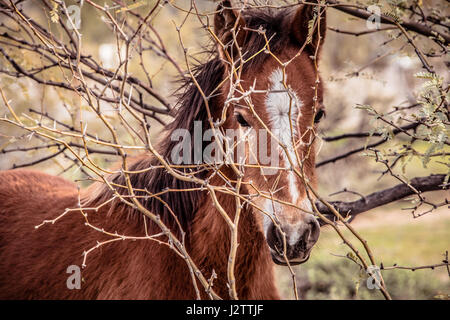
(306, 27)
(229, 20)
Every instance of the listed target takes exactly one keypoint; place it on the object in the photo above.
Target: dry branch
(361, 12)
(352, 209)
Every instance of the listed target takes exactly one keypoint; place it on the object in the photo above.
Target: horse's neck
(210, 243)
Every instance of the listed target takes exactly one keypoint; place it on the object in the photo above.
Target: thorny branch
(125, 103)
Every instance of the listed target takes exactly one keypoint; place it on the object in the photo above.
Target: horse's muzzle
(293, 243)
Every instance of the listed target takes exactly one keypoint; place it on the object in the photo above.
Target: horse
(34, 262)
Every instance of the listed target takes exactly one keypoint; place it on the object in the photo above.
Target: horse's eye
(241, 120)
(320, 113)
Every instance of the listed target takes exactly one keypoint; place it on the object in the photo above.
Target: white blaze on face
(281, 102)
(297, 230)
(272, 208)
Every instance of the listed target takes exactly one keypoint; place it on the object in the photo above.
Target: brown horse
(34, 262)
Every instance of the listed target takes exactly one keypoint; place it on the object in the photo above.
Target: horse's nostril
(275, 239)
(277, 236)
(304, 241)
(314, 230)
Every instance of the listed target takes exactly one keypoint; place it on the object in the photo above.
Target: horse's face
(285, 115)
(279, 114)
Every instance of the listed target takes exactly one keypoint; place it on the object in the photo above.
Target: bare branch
(433, 182)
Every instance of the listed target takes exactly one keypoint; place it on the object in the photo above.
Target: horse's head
(274, 95)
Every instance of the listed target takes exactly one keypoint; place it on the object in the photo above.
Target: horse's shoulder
(24, 180)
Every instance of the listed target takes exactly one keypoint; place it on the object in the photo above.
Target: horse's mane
(190, 108)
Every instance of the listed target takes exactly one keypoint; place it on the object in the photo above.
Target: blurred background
(356, 70)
